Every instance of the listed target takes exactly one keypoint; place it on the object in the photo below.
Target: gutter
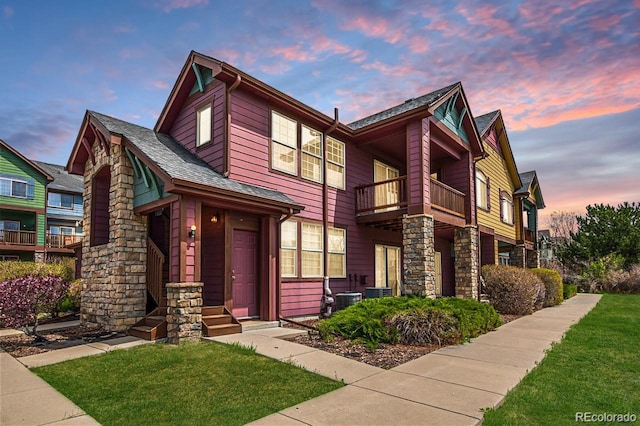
(227, 136)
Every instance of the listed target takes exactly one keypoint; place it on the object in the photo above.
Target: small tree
(23, 298)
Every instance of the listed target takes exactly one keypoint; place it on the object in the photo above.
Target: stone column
(184, 313)
(533, 258)
(465, 245)
(518, 256)
(39, 257)
(419, 258)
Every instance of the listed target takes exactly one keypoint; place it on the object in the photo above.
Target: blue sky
(567, 78)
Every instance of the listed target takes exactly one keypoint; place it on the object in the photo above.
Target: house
(507, 201)
(244, 198)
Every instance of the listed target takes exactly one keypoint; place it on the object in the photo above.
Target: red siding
(190, 254)
(213, 245)
(175, 242)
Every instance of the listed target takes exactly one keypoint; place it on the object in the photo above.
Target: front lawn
(195, 383)
(595, 369)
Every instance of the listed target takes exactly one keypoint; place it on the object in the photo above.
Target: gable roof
(62, 180)
(484, 123)
(37, 168)
(530, 185)
(408, 105)
(179, 164)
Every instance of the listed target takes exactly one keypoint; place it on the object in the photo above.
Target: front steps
(151, 327)
(218, 321)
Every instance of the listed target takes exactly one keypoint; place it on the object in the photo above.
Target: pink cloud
(160, 84)
(375, 26)
(170, 5)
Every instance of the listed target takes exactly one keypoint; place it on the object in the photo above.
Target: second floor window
(56, 199)
(10, 187)
(311, 154)
(284, 143)
(203, 125)
(506, 208)
(482, 190)
(335, 163)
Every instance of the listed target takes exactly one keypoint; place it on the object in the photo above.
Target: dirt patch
(22, 345)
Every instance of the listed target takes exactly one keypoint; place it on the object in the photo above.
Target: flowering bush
(23, 298)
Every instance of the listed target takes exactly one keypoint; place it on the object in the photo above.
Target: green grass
(595, 368)
(196, 383)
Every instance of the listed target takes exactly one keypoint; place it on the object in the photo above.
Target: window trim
(13, 180)
(343, 253)
(314, 250)
(484, 178)
(60, 206)
(344, 161)
(303, 152)
(505, 197)
(294, 249)
(199, 111)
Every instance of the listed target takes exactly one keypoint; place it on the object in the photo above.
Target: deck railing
(381, 196)
(62, 240)
(155, 263)
(446, 197)
(23, 238)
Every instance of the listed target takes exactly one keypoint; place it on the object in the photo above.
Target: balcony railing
(391, 195)
(62, 240)
(22, 238)
(449, 199)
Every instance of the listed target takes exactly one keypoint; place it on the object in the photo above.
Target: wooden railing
(62, 240)
(155, 263)
(446, 197)
(23, 238)
(381, 196)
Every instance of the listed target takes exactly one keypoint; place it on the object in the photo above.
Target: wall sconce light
(214, 218)
(192, 232)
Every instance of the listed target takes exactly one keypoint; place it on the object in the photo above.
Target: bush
(71, 301)
(569, 290)
(23, 298)
(625, 282)
(552, 285)
(513, 290)
(425, 327)
(370, 320)
(9, 270)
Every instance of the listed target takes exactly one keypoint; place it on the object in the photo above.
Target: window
(62, 230)
(204, 125)
(56, 199)
(284, 143)
(335, 163)
(9, 258)
(504, 259)
(100, 207)
(312, 242)
(288, 248)
(506, 208)
(386, 194)
(11, 187)
(387, 267)
(337, 252)
(311, 154)
(482, 190)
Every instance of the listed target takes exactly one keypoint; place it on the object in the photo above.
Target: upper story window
(288, 248)
(14, 187)
(335, 163)
(284, 143)
(56, 199)
(482, 190)
(506, 208)
(203, 125)
(311, 154)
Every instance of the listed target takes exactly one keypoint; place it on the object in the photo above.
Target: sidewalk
(449, 386)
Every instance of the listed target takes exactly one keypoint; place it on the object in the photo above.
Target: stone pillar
(465, 245)
(533, 258)
(518, 256)
(39, 257)
(419, 258)
(184, 313)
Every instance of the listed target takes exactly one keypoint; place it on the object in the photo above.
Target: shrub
(71, 301)
(569, 290)
(552, 285)
(513, 290)
(626, 282)
(9, 270)
(23, 298)
(425, 327)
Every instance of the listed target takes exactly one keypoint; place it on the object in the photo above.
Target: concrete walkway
(450, 386)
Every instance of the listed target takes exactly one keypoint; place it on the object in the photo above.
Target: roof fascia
(26, 160)
(72, 166)
(512, 167)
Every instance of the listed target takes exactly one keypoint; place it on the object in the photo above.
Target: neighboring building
(531, 199)
(40, 208)
(258, 197)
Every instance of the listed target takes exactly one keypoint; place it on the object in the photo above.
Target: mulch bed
(23, 345)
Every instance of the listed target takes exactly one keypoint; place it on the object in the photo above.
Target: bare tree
(561, 225)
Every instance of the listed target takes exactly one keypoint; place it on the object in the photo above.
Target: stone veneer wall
(533, 258)
(114, 292)
(465, 245)
(184, 312)
(518, 256)
(419, 255)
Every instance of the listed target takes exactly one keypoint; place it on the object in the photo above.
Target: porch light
(214, 218)
(192, 232)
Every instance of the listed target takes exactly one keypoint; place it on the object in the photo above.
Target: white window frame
(278, 139)
(293, 248)
(60, 194)
(482, 196)
(341, 251)
(307, 154)
(203, 132)
(338, 163)
(506, 208)
(307, 248)
(11, 181)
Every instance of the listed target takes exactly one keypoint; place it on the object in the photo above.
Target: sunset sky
(567, 78)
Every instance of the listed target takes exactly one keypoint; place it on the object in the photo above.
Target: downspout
(279, 278)
(227, 136)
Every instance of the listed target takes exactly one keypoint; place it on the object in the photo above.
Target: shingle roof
(526, 178)
(179, 163)
(483, 121)
(62, 180)
(408, 105)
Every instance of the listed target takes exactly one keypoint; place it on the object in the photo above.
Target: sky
(566, 75)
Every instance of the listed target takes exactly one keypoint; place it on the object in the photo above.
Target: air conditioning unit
(375, 292)
(344, 300)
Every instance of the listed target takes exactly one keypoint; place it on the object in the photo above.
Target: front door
(245, 273)
(388, 268)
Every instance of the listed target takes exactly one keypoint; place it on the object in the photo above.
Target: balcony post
(533, 258)
(518, 256)
(465, 241)
(419, 255)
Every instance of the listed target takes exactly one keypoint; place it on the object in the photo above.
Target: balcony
(62, 240)
(18, 238)
(382, 204)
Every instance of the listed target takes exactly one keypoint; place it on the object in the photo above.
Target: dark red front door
(245, 271)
